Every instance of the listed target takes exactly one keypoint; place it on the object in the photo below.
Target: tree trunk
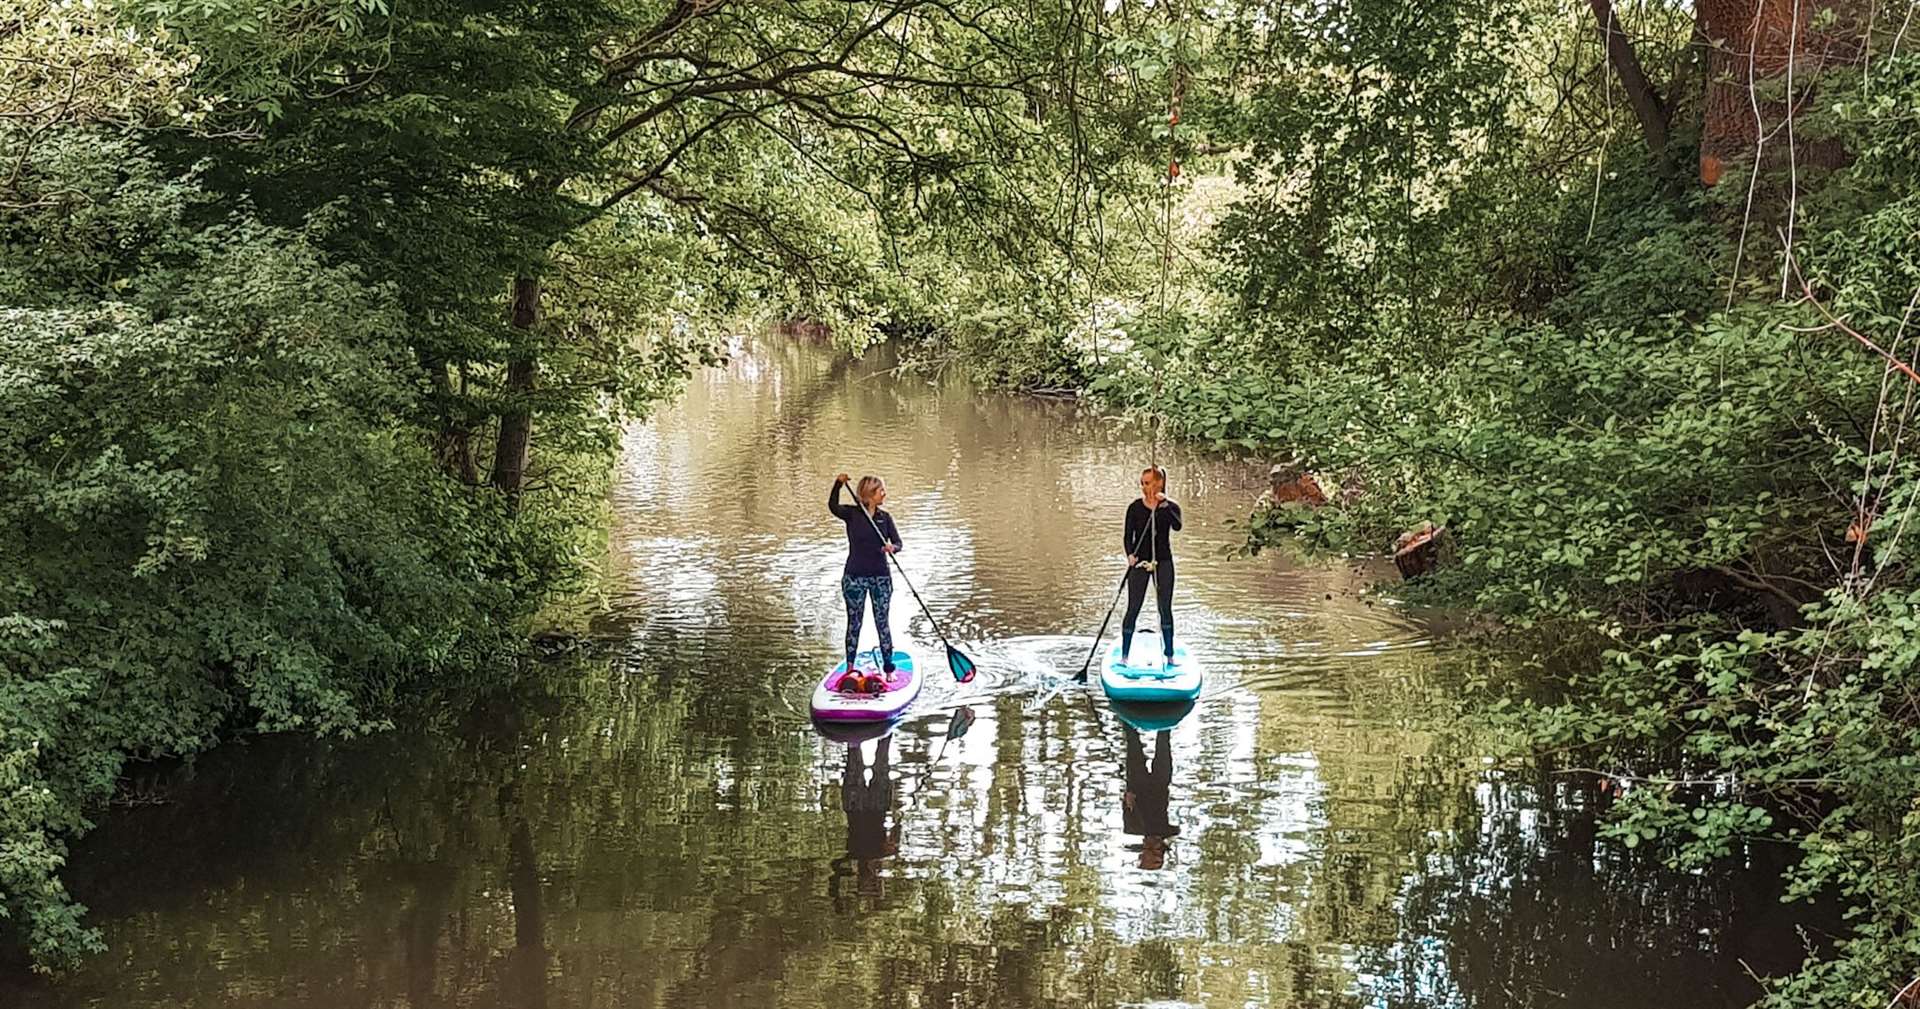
(1757, 41)
(453, 447)
(516, 419)
(453, 443)
(1647, 106)
(526, 965)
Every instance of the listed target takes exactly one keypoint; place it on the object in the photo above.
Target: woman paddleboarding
(871, 537)
(1152, 519)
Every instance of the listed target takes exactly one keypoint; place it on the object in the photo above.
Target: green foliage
(412, 144)
(1633, 465)
(262, 361)
(1377, 142)
(1646, 454)
(1464, 305)
(1003, 349)
(253, 54)
(212, 522)
(65, 61)
(256, 367)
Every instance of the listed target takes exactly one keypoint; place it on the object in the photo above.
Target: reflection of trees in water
(1159, 974)
(525, 969)
(783, 428)
(616, 835)
(1525, 915)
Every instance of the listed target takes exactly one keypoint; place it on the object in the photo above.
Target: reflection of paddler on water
(866, 800)
(1144, 804)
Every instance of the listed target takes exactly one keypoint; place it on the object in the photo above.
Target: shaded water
(663, 828)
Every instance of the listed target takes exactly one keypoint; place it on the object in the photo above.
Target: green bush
(211, 518)
(1686, 489)
(1649, 444)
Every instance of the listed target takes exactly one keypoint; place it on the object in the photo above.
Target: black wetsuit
(1157, 549)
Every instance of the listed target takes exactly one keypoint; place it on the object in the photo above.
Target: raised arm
(1173, 513)
(833, 500)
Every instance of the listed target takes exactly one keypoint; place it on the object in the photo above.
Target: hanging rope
(1084, 161)
(1176, 87)
(1176, 91)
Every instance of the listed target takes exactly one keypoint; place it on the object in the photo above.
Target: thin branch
(1902, 993)
(660, 168)
(683, 12)
(1729, 779)
(1835, 322)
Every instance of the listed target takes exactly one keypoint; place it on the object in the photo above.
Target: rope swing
(1176, 93)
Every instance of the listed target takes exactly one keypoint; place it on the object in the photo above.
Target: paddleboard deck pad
(830, 704)
(1145, 679)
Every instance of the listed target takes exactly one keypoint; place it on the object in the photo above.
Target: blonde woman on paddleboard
(871, 537)
(1152, 519)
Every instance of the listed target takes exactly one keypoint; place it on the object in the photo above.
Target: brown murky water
(664, 828)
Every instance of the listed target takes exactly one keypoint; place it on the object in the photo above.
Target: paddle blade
(961, 665)
(961, 721)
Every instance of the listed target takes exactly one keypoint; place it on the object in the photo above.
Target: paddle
(957, 661)
(1081, 676)
(957, 726)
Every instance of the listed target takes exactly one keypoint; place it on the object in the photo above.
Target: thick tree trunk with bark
(516, 420)
(1758, 48)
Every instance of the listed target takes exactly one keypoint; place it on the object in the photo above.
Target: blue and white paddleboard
(1146, 678)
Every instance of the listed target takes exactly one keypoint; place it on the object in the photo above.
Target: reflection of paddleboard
(1144, 678)
(852, 732)
(1152, 717)
(831, 705)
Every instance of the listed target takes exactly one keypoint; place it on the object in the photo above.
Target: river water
(661, 826)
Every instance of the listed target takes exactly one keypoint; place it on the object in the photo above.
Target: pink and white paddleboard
(831, 704)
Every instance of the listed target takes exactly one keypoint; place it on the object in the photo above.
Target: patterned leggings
(856, 589)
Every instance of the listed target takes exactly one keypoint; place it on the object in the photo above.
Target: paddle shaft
(1081, 676)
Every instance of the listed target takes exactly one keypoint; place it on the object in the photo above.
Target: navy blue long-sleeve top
(864, 553)
(1158, 547)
